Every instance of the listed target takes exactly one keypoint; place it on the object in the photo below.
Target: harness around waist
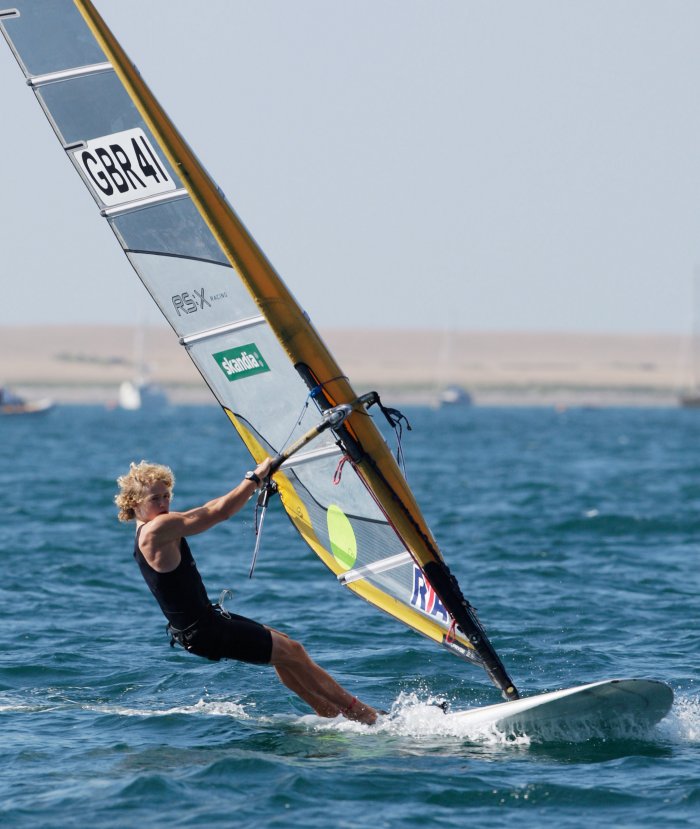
(184, 635)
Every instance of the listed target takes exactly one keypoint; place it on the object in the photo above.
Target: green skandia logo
(240, 362)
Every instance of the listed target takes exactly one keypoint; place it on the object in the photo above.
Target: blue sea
(576, 535)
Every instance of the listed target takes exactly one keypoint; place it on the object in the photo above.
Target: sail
(254, 346)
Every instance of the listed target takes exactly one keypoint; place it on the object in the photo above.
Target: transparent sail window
(174, 228)
(50, 36)
(91, 107)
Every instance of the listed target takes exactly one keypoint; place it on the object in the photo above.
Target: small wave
(211, 708)
(12, 705)
(21, 708)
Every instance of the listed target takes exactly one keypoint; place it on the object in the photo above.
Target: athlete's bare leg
(308, 680)
(321, 706)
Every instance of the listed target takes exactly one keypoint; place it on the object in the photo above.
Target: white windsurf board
(613, 707)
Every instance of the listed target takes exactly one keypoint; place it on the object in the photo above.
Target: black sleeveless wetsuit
(194, 622)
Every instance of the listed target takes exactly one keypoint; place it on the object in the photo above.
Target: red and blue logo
(425, 598)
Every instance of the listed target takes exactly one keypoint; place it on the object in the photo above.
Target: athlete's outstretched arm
(175, 525)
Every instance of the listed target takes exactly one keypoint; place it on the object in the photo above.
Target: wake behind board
(610, 708)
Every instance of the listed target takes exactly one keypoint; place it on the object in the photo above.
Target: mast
(691, 398)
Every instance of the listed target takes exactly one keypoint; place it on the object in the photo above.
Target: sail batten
(37, 81)
(252, 343)
(140, 204)
(315, 455)
(375, 567)
(210, 333)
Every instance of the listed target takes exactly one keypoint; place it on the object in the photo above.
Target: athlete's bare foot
(360, 712)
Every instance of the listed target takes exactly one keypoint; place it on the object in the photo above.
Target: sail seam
(67, 74)
(141, 252)
(137, 204)
(251, 322)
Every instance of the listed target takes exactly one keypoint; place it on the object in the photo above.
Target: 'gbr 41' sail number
(123, 167)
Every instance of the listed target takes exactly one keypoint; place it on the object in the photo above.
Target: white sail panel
(173, 228)
(194, 295)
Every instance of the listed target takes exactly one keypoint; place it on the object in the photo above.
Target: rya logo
(425, 598)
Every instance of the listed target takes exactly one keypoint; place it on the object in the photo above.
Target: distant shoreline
(86, 364)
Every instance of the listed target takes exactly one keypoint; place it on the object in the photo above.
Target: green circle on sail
(342, 537)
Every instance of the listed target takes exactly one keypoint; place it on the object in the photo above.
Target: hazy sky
(446, 163)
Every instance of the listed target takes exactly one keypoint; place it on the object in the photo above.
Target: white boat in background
(13, 404)
(141, 394)
(448, 391)
(690, 401)
(454, 395)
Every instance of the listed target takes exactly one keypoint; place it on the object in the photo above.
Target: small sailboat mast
(690, 399)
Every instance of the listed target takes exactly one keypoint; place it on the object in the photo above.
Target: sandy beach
(86, 364)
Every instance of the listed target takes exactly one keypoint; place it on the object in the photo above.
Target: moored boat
(13, 404)
(454, 395)
(141, 394)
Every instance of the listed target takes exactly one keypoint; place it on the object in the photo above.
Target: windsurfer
(163, 555)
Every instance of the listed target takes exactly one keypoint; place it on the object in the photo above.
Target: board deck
(613, 707)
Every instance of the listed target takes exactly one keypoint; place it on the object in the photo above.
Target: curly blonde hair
(133, 485)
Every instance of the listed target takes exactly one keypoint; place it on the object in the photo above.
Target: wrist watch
(251, 476)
